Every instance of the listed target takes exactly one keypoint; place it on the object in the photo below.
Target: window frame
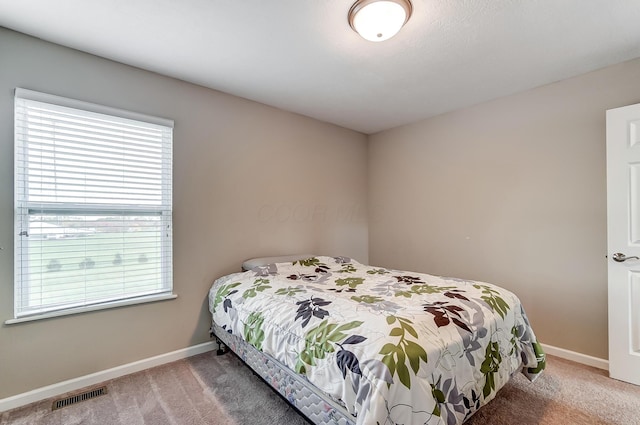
(23, 210)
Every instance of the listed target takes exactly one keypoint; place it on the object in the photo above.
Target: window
(93, 206)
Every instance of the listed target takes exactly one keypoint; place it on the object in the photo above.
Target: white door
(623, 229)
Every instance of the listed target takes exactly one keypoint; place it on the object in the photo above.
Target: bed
(348, 343)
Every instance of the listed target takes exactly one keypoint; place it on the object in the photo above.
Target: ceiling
(302, 56)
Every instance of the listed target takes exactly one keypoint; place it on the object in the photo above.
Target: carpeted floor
(211, 390)
(568, 393)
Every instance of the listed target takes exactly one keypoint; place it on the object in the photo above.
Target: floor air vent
(77, 398)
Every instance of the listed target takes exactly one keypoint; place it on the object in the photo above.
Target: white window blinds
(93, 204)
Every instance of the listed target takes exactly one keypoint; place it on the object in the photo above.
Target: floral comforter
(393, 347)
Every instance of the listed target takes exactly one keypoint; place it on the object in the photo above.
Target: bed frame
(299, 392)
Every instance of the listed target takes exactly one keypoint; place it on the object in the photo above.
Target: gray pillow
(263, 261)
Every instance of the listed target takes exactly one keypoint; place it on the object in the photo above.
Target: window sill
(97, 307)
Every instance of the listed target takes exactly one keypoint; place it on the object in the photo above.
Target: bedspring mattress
(294, 388)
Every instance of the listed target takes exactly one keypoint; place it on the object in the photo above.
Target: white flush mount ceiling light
(379, 20)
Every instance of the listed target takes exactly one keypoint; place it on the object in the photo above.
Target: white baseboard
(98, 377)
(116, 372)
(576, 357)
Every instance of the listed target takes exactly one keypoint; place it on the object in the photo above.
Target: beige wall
(249, 180)
(512, 192)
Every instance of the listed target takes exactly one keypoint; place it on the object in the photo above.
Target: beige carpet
(207, 389)
(567, 393)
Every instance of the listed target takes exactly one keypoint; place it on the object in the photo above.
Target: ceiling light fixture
(379, 20)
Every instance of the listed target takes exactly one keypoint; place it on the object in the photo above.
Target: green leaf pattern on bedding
(259, 285)
(289, 291)
(253, 332)
(222, 293)
(393, 347)
(320, 341)
(396, 355)
(491, 297)
(351, 282)
(367, 299)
